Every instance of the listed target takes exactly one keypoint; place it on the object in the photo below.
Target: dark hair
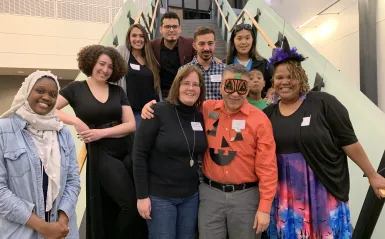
(203, 31)
(232, 51)
(236, 68)
(148, 54)
(169, 15)
(88, 56)
(183, 73)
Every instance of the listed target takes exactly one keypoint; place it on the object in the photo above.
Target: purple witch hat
(284, 53)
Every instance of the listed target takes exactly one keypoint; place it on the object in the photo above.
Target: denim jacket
(21, 180)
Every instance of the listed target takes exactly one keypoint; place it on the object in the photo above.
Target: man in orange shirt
(239, 166)
(240, 159)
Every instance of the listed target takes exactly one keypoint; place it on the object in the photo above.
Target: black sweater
(322, 140)
(161, 156)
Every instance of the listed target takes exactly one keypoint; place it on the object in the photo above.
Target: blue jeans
(138, 118)
(173, 218)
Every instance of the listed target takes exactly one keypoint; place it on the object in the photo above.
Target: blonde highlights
(297, 73)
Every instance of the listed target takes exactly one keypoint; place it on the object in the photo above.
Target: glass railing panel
(227, 11)
(367, 118)
(118, 28)
(269, 21)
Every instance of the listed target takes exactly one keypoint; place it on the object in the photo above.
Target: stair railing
(255, 23)
(150, 28)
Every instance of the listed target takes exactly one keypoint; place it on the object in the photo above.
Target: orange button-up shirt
(255, 159)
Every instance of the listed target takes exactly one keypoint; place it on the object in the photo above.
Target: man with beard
(172, 50)
(204, 44)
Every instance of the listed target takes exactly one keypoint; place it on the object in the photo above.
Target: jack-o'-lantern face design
(222, 156)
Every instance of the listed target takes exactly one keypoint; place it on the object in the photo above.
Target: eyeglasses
(168, 27)
(243, 26)
(187, 84)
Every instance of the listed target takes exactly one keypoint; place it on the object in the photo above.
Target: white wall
(341, 48)
(44, 43)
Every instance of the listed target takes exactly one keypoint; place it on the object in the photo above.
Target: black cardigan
(321, 142)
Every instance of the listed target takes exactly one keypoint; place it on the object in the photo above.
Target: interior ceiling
(62, 74)
(297, 12)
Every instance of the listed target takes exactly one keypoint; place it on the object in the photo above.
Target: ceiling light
(20, 72)
(307, 22)
(327, 28)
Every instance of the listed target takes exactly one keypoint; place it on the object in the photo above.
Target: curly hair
(88, 56)
(298, 73)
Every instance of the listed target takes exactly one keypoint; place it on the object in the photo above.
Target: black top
(140, 84)
(322, 140)
(161, 155)
(169, 65)
(89, 109)
(284, 130)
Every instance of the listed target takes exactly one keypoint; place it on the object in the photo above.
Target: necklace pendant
(191, 162)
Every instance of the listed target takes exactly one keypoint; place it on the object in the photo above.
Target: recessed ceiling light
(20, 72)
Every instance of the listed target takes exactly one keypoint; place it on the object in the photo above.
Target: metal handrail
(255, 23)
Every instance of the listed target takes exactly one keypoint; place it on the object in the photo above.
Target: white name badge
(238, 124)
(135, 67)
(216, 78)
(196, 126)
(306, 121)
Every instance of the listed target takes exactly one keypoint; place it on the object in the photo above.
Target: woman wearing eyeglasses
(165, 156)
(243, 50)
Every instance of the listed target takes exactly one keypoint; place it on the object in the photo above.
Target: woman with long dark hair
(141, 83)
(243, 50)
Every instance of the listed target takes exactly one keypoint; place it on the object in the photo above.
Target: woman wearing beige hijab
(39, 179)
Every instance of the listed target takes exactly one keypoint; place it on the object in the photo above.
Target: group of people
(177, 143)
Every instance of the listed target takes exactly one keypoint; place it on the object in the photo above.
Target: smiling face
(284, 85)
(205, 46)
(257, 82)
(43, 96)
(170, 29)
(137, 39)
(243, 41)
(233, 101)
(189, 89)
(103, 68)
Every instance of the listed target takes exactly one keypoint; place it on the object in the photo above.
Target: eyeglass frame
(169, 27)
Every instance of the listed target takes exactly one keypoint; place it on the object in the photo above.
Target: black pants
(118, 197)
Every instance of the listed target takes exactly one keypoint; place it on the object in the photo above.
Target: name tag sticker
(238, 125)
(306, 121)
(135, 67)
(216, 78)
(196, 126)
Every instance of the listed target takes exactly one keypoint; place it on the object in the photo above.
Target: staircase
(188, 29)
(367, 118)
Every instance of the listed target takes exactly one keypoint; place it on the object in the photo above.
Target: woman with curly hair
(141, 83)
(103, 120)
(314, 137)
